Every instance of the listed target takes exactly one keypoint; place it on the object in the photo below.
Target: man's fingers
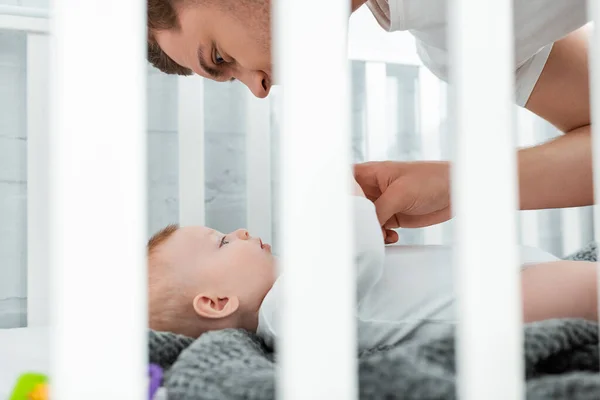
(367, 174)
(390, 202)
(391, 236)
(361, 171)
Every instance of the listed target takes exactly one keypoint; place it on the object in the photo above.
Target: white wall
(13, 174)
(225, 156)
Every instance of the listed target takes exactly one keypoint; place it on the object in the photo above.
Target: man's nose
(258, 82)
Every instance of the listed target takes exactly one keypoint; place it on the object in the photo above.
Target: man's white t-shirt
(401, 292)
(537, 25)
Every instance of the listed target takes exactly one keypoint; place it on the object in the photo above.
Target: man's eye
(218, 59)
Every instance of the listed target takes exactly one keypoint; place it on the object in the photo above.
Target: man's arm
(552, 175)
(559, 173)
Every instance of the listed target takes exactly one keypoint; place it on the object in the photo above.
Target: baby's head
(201, 279)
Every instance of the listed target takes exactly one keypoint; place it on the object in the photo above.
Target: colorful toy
(40, 392)
(155, 374)
(31, 386)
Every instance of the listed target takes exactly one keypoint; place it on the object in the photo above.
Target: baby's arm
(560, 289)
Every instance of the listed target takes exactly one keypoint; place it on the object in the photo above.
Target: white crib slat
(377, 137)
(22, 11)
(12, 19)
(316, 170)
(530, 228)
(392, 132)
(571, 232)
(38, 164)
(528, 220)
(98, 201)
(191, 151)
(258, 168)
(489, 341)
(430, 118)
(594, 60)
(430, 114)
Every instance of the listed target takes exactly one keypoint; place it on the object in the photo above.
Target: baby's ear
(214, 307)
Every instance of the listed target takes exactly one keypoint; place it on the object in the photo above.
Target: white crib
(71, 197)
(379, 137)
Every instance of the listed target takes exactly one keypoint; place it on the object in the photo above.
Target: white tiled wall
(13, 189)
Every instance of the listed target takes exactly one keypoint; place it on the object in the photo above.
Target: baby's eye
(224, 241)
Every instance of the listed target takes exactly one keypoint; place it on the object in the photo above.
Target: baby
(201, 280)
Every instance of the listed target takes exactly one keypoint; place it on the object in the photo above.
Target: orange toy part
(40, 392)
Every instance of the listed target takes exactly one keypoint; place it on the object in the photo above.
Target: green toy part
(26, 384)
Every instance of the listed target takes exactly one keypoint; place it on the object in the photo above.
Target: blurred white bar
(38, 164)
(489, 335)
(391, 114)
(528, 220)
(375, 94)
(316, 172)
(98, 201)
(571, 234)
(24, 19)
(20, 11)
(24, 24)
(368, 42)
(191, 151)
(594, 61)
(530, 228)
(446, 153)
(429, 120)
(258, 168)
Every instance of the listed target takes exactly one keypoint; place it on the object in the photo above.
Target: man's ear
(215, 307)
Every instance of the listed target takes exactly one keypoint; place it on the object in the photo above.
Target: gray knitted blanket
(561, 359)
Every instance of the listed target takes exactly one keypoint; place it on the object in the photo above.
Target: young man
(230, 39)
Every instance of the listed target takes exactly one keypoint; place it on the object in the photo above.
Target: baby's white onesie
(402, 291)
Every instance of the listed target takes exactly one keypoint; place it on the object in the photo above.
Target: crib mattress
(22, 350)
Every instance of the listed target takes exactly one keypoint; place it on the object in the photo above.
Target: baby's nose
(242, 234)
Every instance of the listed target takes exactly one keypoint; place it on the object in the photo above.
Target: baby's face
(225, 265)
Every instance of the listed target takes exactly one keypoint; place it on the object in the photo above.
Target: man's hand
(406, 194)
(389, 235)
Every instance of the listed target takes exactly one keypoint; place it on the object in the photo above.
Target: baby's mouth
(264, 246)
